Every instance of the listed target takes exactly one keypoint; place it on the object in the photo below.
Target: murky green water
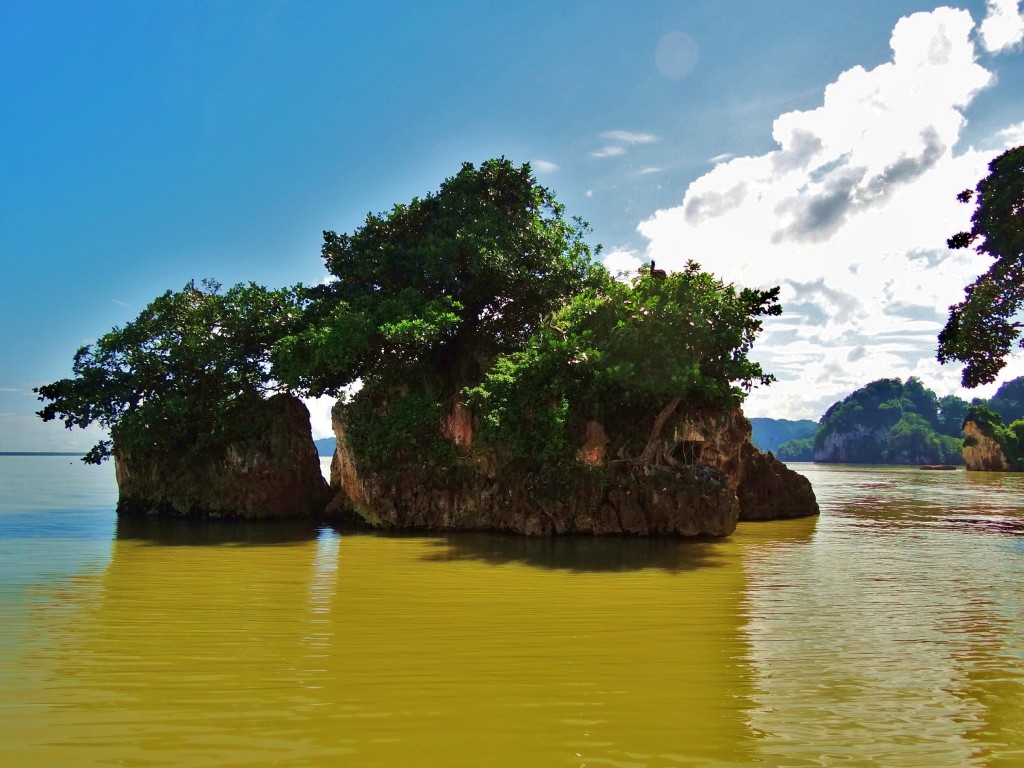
(888, 632)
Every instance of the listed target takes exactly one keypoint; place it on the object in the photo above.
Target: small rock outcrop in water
(701, 478)
(982, 451)
(769, 490)
(276, 473)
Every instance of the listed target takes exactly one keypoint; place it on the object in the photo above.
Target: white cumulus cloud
(1003, 27)
(320, 415)
(849, 215)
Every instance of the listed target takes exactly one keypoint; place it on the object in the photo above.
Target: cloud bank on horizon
(850, 214)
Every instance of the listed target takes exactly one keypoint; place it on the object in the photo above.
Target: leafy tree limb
(982, 329)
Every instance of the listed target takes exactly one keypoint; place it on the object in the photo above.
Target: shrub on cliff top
(1010, 438)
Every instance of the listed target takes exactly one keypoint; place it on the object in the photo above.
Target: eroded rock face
(766, 488)
(851, 447)
(702, 478)
(982, 452)
(274, 475)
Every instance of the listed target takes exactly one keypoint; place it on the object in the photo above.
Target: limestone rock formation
(851, 446)
(982, 451)
(274, 474)
(769, 490)
(701, 478)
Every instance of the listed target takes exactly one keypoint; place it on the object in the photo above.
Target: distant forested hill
(325, 446)
(895, 422)
(1007, 402)
(892, 422)
(769, 434)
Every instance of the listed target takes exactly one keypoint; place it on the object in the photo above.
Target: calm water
(888, 632)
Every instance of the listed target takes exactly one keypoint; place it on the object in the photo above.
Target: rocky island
(491, 376)
(991, 446)
(890, 421)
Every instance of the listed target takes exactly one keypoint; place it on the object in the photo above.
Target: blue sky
(144, 144)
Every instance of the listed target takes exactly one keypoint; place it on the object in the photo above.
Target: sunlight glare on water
(887, 632)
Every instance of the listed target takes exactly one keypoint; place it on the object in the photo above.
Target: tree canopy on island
(482, 293)
(440, 286)
(982, 328)
(182, 374)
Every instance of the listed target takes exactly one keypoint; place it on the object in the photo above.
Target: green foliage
(398, 430)
(922, 401)
(426, 298)
(1008, 401)
(912, 440)
(878, 405)
(433, 291)
(799, 449)
(894, 422)
(619, 353)
(982, 329)
(524, 404)
(952, 410)
(484, 289)
(181, 375)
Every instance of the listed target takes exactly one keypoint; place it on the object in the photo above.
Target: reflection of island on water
(873, 634)
(169, 531)
(369, 647)
(613, 553)
(573, 552)
(577, 553)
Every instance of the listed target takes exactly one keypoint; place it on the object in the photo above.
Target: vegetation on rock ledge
(1009, 437)
(625, 355)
